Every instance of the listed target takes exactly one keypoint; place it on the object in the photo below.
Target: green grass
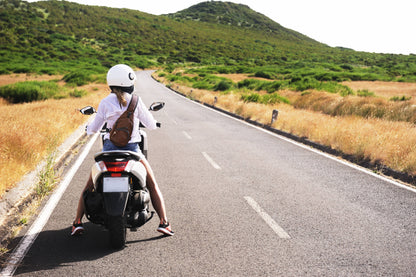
(30, 91)
(51, 37)
(265, 98)
(400, 98)
(47, 178)
(362, 103)
(365, 93)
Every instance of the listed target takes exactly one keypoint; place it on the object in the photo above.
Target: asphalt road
(242, 202)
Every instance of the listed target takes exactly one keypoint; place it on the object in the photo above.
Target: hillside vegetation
(227, 13)
(199, 48)
(370, 130)
(59, 37)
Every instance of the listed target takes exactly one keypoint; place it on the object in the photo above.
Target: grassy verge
(391, 142)
(30, 131)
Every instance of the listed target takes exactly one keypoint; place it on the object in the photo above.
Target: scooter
(119, 199)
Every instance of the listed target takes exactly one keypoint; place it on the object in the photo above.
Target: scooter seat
(117, 155)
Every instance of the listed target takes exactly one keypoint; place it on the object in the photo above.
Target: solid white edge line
(186, 135)
(334, 158)
(37, 226)
(267, 218)
(211, 161)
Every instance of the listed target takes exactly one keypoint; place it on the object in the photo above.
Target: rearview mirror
(88, 110)
(156, 106)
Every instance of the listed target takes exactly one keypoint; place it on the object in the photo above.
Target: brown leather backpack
(121, 132)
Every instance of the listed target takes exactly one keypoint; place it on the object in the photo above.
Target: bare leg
(81, 208)
(155, 193)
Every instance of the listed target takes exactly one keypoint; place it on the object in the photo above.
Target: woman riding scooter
(121, 79)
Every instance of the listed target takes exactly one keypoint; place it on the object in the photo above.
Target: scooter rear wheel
(117, 230)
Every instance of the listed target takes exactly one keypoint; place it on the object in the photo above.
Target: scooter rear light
(101, 166)
(115, 166)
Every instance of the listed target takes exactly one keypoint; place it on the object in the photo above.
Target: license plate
(116, 184)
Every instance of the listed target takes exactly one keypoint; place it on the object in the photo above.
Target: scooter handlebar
(158, 125)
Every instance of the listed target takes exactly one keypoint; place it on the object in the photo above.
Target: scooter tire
(117, 230)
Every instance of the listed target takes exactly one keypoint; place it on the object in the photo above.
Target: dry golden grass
(14, 78)
(391, 143)
(240, 77)
(384, 89)
(368, 107)
(30, 131)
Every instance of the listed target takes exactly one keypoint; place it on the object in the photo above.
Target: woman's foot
(77, 229)
(166, 229)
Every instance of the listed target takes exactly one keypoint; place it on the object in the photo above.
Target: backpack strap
(133, 103)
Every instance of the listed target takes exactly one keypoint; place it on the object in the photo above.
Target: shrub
(347, 67)
(29, 91)
(173, 78)
(78, 93)
(262, 74)
(258, 85)
(272, 86)
(264, 99)
(274, 98)
(248, 83)
(334, 87)
(161, 60)
(201, 85)
(400, 98)
(223, 85)
(365, 93)
(252, 97)
(304, 84)
(78, 78)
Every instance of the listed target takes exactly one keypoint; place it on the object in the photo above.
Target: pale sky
(380, 26)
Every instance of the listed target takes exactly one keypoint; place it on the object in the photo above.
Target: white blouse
(109, 111)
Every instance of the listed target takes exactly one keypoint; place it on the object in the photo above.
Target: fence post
(274, 116)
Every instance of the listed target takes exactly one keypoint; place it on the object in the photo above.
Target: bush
(274, 98)
(262, 74)
(29, 91)
(223, 85)
(272, 86)
(249, 83)
(252, 97)
(78, 78)
(78, 93)
(400, 98)
(334, 87)
(365, 93)
(303, 84)
(264, 99)
(202, 85)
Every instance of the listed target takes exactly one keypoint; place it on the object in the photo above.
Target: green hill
(231, 14)
(59, 36)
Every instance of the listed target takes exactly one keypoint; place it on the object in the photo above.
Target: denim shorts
(109, 146)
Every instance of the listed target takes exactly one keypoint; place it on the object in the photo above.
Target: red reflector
(115, 174)
(115, 166)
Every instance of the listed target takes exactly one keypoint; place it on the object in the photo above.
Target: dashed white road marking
(267, 218)
(186, 135)
(211, 161)
(334, 158)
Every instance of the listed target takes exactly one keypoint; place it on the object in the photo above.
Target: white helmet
(122, 76)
